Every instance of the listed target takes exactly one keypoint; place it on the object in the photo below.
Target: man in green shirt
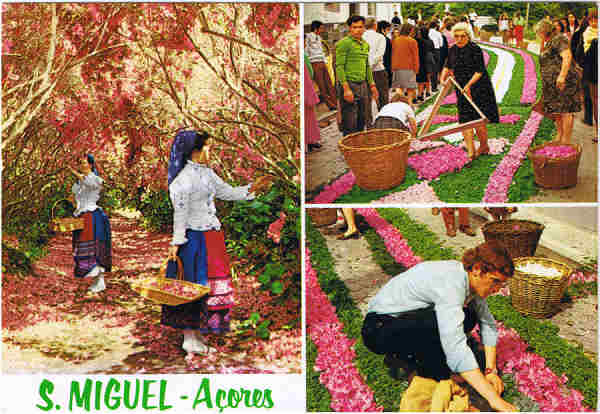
(354, 76)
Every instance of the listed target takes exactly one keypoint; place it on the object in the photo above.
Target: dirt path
(52, 325)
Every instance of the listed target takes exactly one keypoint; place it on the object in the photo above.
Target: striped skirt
(205, 261)
(92, 246)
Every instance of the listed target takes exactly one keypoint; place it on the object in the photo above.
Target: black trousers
(437, 68)
(414, 339)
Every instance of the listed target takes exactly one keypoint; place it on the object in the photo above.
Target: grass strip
(386, 390)
(317, 396)
(541, 336)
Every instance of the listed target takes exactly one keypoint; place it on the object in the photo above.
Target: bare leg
(559, 127)
(411, 95)
(468, 136)
(482, 134)
(449, 221)
(567, 127)
(463, 220)
(349, 217)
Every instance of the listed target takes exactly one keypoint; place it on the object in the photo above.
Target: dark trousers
(588, 107)
(436, 68)
(354, 114)
(414, 339)
(383, 88)
(323, 81)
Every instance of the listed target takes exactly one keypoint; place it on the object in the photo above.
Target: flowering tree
(120, 79)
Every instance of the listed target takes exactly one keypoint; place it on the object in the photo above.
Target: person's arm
(341, 55)
(567, 57)
(415, 49)
(180, 198)
(412, 126)
(476, 379)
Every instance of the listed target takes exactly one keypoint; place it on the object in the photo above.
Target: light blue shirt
(445, 285)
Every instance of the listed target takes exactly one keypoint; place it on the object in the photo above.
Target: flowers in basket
(179, 289)
(556, 151)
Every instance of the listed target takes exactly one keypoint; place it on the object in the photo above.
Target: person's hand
(467, 91)
(496, 382)
(560, 82)
(173, 252)
(374, 93)
(348, 95)
(499, 404)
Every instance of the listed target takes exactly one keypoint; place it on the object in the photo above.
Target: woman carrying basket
(198, 240)
(92, 246)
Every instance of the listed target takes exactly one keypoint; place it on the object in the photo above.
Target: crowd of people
(402, 64)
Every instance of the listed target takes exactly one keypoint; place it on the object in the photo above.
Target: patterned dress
(554, 100)
(197, 232)
(465, 62)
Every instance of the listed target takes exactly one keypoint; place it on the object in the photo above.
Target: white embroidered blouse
(193, 192)
(87, 193)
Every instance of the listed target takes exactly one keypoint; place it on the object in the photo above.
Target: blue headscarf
(92, 161)
(182, 147)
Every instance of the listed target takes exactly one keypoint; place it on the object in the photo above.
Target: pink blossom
(529, 93)
(500, 180)
(420, 193)
(496, 145)
(334, 361)
(556, 151)
(395, 244)
(441, 160)
(337, 189)
(274, 231)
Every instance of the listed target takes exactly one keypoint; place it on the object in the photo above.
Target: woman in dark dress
(425, 45)
(465, 63)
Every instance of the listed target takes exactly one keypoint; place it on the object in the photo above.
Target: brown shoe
(435, 211)
(467, 230)
(451, 232)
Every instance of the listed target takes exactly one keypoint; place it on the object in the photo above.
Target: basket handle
(163, 270)
(55, 204)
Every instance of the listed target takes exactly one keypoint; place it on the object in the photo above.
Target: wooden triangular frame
(448, 86)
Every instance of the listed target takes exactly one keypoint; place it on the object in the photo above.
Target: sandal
(345, 236)
(467, 230)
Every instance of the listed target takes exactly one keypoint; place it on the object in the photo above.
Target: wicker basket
(377, 157)
(322, 216)
(520, 237)
(534, 295)
(153, 288)
(555, 172)
(65, 224)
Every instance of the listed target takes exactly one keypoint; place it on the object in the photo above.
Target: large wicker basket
(555, 172)
(155, 288)
(377, 157)
(322, 216)
(535, 295)
(520, 237)
(64, 225)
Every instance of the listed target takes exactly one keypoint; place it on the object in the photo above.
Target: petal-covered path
(51, 325)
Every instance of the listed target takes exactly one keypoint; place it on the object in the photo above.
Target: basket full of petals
(538, 285)
(167, 291)
(555, 165)
(520, 237)
(377, 157)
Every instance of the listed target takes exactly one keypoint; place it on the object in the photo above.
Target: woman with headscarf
(92, 247)
(422, 320)
(560, 82)
(198, 239)
(465, 63)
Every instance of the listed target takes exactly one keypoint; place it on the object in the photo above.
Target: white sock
(98, 285)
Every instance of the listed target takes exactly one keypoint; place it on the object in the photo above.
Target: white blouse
(193, 192)
(87, 193)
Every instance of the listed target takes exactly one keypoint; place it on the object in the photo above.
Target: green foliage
(317, 396)
(542, 337)
(15, 261)
(270, 278)
(156, 209)
(358, 195)
(387, 391)
(513, 396)
(252, 325)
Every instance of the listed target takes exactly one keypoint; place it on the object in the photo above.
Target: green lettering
(98, 397)
(46, 387)
(233, 398)
(127, 394)
(268, 399)
(81, 399)
(146, 395)
(246, 394)
(116, 401)
(257, 398)
(221, 395)
(205, 390)
(162, 393)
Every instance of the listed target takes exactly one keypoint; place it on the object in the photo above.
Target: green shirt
(519, 21)
(352, 61)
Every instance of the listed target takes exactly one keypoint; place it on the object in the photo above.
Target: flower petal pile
(420, 193)
(441, 160)
(348, 391)
(556, 151)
